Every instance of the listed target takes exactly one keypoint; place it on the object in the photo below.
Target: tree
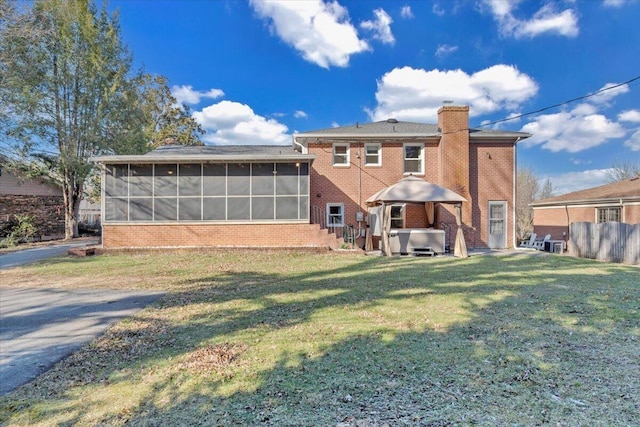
(165, 121)
(623, 169)
(67, 93)
(528, 191)
(64, 74)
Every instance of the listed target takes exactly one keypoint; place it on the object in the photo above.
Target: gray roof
(212, 153)
(392, 128)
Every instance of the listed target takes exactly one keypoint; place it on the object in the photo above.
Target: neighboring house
(618, 201)
(265, 196)
(24, 196)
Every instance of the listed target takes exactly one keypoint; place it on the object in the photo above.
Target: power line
(561, 104)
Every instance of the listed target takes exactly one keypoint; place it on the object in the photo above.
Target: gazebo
(413, 189)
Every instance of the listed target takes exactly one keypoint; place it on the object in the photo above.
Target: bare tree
(623, 169)
(528, 191)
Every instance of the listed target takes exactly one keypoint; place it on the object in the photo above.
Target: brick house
(618, 201)
(25, 196)
(301, 195)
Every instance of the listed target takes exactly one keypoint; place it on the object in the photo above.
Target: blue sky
(255, 72)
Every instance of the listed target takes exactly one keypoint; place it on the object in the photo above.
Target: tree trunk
(72, 192)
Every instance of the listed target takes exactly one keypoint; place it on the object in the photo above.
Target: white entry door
(497, 225)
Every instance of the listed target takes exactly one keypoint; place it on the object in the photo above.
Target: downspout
(515, 193)
(303, 149)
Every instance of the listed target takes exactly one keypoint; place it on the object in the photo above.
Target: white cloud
(445, 49)
(614, 3)
(381, 27)
(406, 12)
(437, 10)
(572, 131)
(634, 142)
(233, 123)
(609, 91)
(575, 181)
(632, 116)
(416, 94)
(545, 20)
(187, 95)
(320, 31)
(299, 114)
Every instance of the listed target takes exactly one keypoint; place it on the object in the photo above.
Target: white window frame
(333, 151)
(405, 158)
(402, 217)
(331, 224)
(378, 147)
(608, 209)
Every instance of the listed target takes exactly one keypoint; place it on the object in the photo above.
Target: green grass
(286, 339)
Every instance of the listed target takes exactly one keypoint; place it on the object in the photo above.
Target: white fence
(608, 241)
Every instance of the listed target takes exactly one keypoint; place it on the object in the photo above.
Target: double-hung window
(608, 214)
(340, 154)
(397, 216)
(335, 215)
(413, 158)
(372, 154)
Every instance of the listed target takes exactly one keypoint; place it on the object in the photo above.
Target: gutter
(201, 158)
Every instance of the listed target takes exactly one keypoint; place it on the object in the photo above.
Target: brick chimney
(453, 122)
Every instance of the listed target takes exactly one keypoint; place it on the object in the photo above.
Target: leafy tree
(166, 122)
(623, 169)
(64, 75)
(67, 92)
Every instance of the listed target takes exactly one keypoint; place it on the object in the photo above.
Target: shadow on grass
(375, 341)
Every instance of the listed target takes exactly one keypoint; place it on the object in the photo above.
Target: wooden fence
(607, 241)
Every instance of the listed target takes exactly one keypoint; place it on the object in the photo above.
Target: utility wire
(561, 104)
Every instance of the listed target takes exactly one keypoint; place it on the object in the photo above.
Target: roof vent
(392, 121)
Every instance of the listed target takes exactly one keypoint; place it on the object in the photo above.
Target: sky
(256, 72)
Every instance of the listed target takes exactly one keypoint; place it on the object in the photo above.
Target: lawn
(289, 339)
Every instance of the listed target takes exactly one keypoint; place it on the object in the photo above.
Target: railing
(348, 232)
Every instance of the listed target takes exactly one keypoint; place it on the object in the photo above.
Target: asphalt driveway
(39, 327)
(27, 256)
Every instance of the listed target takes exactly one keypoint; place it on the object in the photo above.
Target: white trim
(333, 154)
(421, 158)
(379, 147)
(214, 222)
(328, 214)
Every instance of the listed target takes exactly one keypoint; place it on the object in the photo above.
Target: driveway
(26, 256)
(39, 327)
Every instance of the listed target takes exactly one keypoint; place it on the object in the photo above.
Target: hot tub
(403, 241)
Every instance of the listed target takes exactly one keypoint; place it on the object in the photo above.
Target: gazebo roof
(413, 189)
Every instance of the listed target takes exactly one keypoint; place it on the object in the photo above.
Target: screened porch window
(206, 192)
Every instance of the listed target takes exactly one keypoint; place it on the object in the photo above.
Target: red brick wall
(228, 235)
(47, 210)
(556, 220)
(491, 179)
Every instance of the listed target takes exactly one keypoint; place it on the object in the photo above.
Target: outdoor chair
(529, 243)
(539, 244)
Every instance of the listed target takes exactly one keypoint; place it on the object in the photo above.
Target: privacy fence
(608, 241)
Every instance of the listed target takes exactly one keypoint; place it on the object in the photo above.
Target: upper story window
(608, 214)
(413, 158)
(372, 154)
(340, 154)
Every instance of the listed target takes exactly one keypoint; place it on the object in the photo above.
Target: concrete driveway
(39, 327)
